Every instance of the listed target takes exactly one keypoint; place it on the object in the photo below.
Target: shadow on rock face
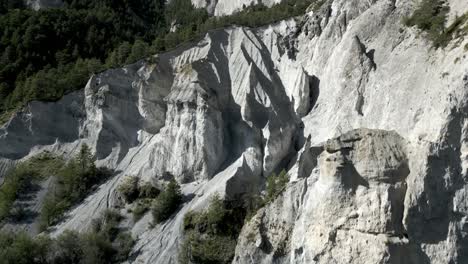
(435, 217)
(352, 179)
(42, 123)
(314, 86)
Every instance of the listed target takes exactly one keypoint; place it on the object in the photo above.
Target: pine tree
(167, 202)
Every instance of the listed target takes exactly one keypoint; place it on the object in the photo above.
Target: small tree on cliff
(167, 202)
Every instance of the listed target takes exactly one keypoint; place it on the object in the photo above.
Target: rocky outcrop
(429, 230)
(42, 123)
(358, 206)
(356, 193)
(221, 114)
(41, 4)
(216, 111)
(228, 7)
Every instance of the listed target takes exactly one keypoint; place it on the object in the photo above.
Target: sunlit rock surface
(367, 117)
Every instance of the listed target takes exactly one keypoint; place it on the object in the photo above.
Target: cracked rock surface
(367, 118)
(350, 208)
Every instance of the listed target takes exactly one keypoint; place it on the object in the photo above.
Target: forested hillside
(47, 53)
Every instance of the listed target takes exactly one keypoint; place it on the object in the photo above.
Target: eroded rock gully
(367, 118)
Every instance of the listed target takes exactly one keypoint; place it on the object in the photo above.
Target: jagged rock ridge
(221, 114)
(228, 7)
(41, 4)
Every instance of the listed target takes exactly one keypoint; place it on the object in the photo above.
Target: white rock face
(216, 111)
(41, 4)
(228, 7)
(222, 114)
(376, 75)
(355, 196)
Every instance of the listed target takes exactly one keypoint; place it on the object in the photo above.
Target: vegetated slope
(221, 114)
(70, 42)
(51, 52)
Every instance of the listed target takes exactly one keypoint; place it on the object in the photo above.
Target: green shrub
(167, 202)
(141, 196)
(124, 245)
(207, 249)
(22, 177)
(67, 248)
(76, 180)
(105, 243)
(142, 206)
(110, 224)
(129, 189)
(253, 204)
(431, 17)
(275, 184)
(211, 235)
(94, 247)
(72, 247)
(148, 191)
(22, 249)
(190, 220)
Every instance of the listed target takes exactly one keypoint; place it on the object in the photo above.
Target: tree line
(48, 53)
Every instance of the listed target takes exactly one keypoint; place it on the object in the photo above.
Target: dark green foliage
(74, 182)
(67, 248)
(211, 235)
(275, 185)
(124, 244)
(431, 17)
(22, 249)
(23, 177)
(141, 196)
(47, 53)
(98, 246)
(167, 202)
(91, 247)
(259, 15)
(210, 249)
(106, 243)
(52, 83)
(108, 224)
(315, 6)
(148, 191)
(253, 204)
(6, 5)
(194, 23)
(141, 207)
(129, 189)
(139, 50)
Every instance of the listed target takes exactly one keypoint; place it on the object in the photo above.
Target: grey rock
(354, 105)
(228, 7)
(42, 4)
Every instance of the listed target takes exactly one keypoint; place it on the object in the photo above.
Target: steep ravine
(367, 117)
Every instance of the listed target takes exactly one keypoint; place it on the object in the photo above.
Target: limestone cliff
(369, 120)
(227, 7)
(41, 4)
